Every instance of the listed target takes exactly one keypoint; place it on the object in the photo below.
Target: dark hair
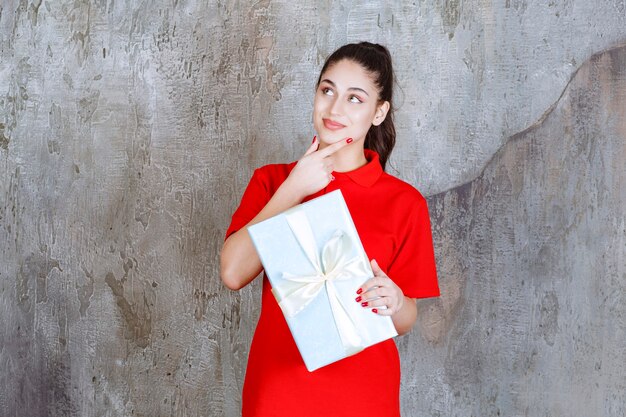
(376, 60)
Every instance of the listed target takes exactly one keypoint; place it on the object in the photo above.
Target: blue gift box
(315, 262)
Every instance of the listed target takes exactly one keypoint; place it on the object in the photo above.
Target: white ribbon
(298, 291)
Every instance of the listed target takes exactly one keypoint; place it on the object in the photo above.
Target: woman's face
(346, 103)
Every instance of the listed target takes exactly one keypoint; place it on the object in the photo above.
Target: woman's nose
(335, 107)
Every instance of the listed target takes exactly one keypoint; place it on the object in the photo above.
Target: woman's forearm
(404, 319)
(239, 261)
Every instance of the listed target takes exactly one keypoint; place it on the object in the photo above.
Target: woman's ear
(381, 113)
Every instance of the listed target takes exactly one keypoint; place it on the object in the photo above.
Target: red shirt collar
(368, 174)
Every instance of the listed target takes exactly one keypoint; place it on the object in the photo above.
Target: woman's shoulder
(402, 191)
(272, 171)
(272, 175)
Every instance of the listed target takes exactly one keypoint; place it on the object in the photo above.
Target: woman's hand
(314, 170)
(382, 291)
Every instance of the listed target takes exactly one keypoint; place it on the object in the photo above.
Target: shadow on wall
(532, 317)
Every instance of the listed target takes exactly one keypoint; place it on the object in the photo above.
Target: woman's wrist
(290, 193)
(405, 317)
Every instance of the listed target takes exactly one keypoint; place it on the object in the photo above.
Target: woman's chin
(331, 138)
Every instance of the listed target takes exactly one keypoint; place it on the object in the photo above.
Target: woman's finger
(382, 311)
(376, 301)
(370, 283)
(385, 306)
(380, 302)
(331, 149)
(376, 269)
(314, 145)
(376, 292)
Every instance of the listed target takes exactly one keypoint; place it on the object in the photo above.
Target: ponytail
(382, 139)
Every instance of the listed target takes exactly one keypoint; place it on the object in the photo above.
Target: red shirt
(391, 217)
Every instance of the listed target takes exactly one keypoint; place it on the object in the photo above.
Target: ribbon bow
(336, 264)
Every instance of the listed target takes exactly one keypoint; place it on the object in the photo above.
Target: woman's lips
(330, 125)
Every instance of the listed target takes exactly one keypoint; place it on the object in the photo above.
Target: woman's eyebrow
(351, 88)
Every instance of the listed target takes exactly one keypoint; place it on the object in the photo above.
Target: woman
(352, 116)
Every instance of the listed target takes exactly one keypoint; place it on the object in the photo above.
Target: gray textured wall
(129, 129)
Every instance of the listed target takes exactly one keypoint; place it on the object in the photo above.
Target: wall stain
(202, 300)
(87, 105)
(450, 16)
(138, 328)
(34, 11)
(548, 317)
(32, 278)
(79, 17)
(67, 78)
(4, 141)
(15, 101)
(231, 319)
(85, 292)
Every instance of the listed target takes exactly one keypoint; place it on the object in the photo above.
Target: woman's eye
(326, 90)
(355, 99)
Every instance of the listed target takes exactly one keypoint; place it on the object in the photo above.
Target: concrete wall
(532, 256)
(129, 129)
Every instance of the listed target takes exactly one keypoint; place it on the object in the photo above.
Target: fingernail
(364, 304)
(349, 140)
(374, 310)
(359, 291)
(314, 137)
(358, 298)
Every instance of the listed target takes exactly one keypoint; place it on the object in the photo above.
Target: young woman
(352, 115)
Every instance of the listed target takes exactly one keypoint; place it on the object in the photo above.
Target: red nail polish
(349, 140)
(358, 298)
(360, 291)
(374, 310)
(364, 303)
(314, 137)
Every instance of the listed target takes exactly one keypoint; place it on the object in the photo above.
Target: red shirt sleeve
(254, 198)
(413, 267)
